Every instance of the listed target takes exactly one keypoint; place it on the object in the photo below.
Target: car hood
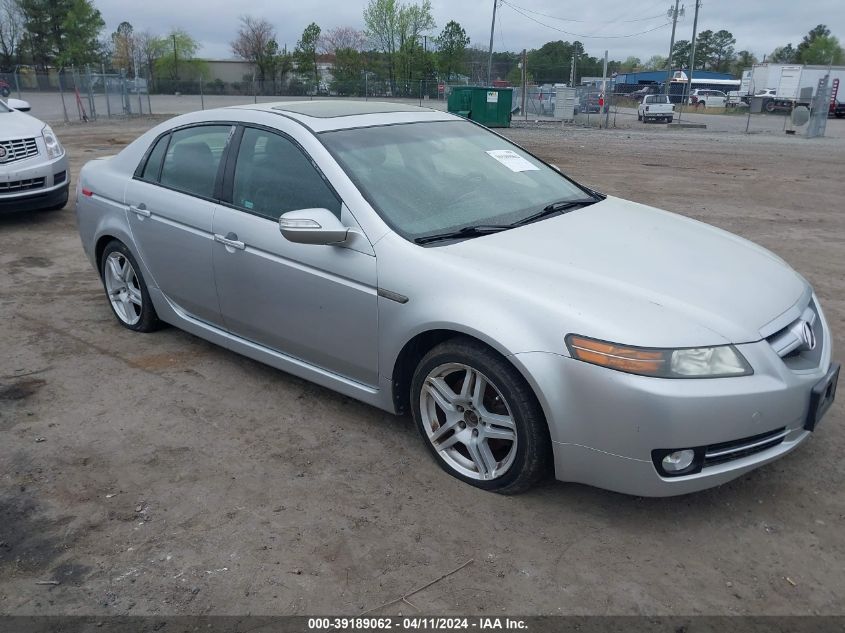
(19, 125)
(637, 275)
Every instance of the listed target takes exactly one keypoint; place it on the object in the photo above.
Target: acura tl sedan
(33, 164)
(420, 263)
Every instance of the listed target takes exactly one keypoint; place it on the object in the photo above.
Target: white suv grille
(18, 149)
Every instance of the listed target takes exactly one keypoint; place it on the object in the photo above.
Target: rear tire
(126, 289)
(479, 418)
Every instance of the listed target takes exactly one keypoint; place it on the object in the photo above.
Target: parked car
(638, 95)
(33, 164)
(421, 263)
(702, 98)
(590, 104)
(655, 108)
(837, 109)
(767, 92)
(5, 88)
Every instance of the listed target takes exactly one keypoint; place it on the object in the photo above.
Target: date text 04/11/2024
(416, 624)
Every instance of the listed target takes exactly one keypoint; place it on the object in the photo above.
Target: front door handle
(140, 210)
(230, 240)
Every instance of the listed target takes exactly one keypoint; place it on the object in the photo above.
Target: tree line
(398, 46)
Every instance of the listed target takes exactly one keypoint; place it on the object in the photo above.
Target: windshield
(657, 99)
(430, 178)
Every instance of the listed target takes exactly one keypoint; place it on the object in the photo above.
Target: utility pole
(691, 58)
(490, 53)
(674, 14)
(175, 59)
(572, 73)
(603, 98)
(524, 83)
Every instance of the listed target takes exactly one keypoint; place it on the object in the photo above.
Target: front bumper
(52, 177)
(604, 424)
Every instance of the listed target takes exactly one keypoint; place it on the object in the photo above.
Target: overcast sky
(758, 25)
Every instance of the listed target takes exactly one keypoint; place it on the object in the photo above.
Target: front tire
(479, 418)
(126, 289)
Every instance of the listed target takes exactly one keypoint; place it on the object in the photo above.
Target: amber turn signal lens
(649, 362)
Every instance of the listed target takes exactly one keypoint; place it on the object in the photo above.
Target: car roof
(322, 115)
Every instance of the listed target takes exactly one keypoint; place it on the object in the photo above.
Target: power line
(554, 17)
(598, 37)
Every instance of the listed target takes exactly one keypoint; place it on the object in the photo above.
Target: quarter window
(153, 166)
(273, 176)
(193, 158)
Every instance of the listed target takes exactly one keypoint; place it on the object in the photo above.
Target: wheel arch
(421, 343)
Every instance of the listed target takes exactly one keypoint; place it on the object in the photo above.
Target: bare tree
(256, 43)
(11, 32)
(342, 38)
(150, 48)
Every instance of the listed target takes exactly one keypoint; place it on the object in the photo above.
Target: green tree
(680, 54)
(451, 48)
(514, 77)
(819, 30)
(824, 49)
(703, 49)
(784, 55)
(305, 53)
(123, 48)
(177, 61)
(61, 32)
(151, 48)
(744, 60)
(722, 52)
(631, 64)
(347, 74)
(395, 31)
(658, 62)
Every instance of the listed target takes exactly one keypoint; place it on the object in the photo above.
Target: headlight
(693, 362)
(51, 141)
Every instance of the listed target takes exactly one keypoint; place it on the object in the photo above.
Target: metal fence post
(106, 92)
(91, 109)
(62, 95)
(202, 96)
(17, 82)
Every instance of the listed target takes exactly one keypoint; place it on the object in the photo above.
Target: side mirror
(312, 226)
(17, 104)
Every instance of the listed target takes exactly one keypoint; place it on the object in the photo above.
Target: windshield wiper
(555, 207)
(468, 231)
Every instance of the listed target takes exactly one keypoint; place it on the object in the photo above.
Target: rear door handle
(230, 240)
(140, 210)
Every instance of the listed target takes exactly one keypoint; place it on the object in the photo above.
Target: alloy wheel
(122, 288)
(468, 421)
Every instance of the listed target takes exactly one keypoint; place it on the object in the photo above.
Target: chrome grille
(728, 451)
(18, 149)
(15, 186)
(789, 343)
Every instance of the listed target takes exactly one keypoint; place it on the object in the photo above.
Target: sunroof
(333, 108)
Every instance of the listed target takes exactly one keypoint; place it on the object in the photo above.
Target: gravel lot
(159, 474)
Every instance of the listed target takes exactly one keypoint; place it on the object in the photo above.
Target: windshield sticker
(512, 160)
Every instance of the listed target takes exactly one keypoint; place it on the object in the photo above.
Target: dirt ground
(159, 474)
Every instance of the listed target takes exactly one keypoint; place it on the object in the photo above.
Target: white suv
(33, 164)
(706, 98)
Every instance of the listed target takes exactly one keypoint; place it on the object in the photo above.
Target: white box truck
(784, 86)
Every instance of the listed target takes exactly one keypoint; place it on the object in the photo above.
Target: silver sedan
(423, 264)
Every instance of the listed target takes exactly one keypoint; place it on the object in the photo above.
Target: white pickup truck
(655, 108)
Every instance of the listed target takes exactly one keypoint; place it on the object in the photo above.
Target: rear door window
(193, 159)
(153, 167)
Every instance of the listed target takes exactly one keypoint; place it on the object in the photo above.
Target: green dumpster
(488, 106)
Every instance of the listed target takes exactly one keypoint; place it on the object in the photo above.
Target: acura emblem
(808, 337)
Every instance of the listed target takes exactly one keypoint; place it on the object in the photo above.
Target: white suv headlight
(51, 142)
(696, 362)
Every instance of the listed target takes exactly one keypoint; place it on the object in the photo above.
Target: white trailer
(788, 85)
